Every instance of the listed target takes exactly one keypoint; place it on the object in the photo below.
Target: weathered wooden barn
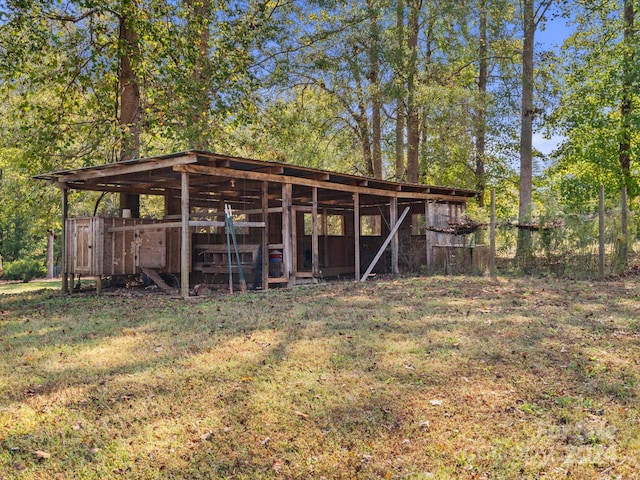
(292, 223)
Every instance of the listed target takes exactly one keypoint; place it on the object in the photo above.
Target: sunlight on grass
(34, 285)
(411, 378)
(112, 354)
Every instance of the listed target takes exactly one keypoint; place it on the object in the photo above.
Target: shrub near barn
(24, 269)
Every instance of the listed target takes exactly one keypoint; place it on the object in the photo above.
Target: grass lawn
(433, 377)
(14, 287)
(21, 287)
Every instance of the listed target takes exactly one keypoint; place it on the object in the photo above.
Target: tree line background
(443, 92)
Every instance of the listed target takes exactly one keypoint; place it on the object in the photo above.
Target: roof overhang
(209, 171)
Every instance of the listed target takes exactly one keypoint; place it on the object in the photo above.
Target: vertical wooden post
(356, 233)
(427, 234)
(492, 235)
(601, 232)
(287, 246)
(623, 221)
(114, 236)
(184, 257)
(326, 261)
(294, 241)
(65, 253)
(123, 247)
(393, 218)
(50, 258)
(265, 236)
(315, 265)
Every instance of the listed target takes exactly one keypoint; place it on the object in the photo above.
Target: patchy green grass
(411, 378)
(22, 287)
(34, 285)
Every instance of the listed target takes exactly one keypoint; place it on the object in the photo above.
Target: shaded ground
(433, 377)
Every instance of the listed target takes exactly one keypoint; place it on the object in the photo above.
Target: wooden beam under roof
(161, 171)
(115, 188)
(116, 170)
(273, 169)
(319, 176)
(248, 175)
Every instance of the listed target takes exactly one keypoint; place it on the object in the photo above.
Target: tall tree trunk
(374, 82)
(199, 26)
(626, 111)
(480, 120)
(526, 129)
(129, 90)
(424, 144)
(365, 140)
(626, 104)
(361, 118)
(413, 124)
(400, 113)
(129, 101)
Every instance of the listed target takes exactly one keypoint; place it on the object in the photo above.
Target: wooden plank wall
(94, 250)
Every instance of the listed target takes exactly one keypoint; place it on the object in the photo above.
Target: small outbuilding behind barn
(291, 223)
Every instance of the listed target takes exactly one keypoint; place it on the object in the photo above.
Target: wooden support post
(184, 257)
(492, 235)
(428, 237)
(265, 236)
(624, 250)
(356, 233)
(123, 249)
(315, 264)
(393, 218)
(112, 267)
(294, 241)
(50, 258)
(65, 234)
(287, 244)
(601, 232)
(326, 261)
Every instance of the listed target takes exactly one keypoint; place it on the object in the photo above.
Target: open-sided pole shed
(294, 222)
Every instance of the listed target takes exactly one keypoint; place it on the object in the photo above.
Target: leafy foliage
(323, 84)
(28, 209)
(596, 73)
(24, 269)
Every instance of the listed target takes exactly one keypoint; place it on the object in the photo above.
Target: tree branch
(69, 18)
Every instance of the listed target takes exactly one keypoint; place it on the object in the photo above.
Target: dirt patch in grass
(432, 377)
